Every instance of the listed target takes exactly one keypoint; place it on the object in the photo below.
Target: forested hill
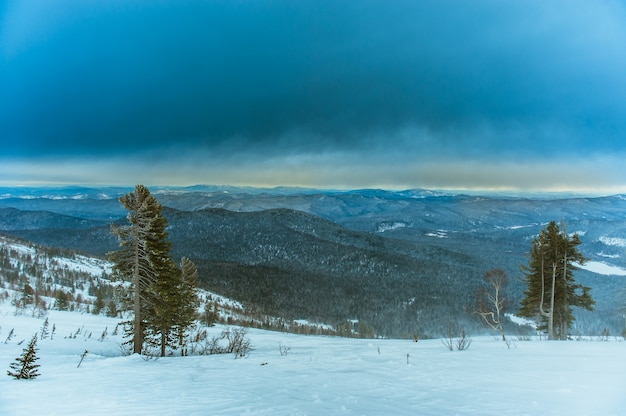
(404, 262)
(14, 219)
(292, 264)
(307, 267)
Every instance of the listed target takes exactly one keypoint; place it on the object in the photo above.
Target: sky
(488, 94)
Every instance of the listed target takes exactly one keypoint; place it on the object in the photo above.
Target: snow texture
(602, 268)
(613, 241)
(318, 376)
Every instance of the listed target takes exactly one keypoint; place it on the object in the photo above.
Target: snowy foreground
(318, 376)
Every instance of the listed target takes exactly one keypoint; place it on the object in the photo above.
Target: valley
(400, 262)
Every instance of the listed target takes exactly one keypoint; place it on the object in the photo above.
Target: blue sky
(488, 94)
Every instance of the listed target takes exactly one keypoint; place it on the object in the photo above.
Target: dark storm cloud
(439, 79)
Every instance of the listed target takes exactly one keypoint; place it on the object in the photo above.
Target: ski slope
(318, 375)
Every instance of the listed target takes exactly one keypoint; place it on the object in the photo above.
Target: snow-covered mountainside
(61, 279)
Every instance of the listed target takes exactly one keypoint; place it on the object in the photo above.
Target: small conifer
(44, 329)
(24, 366)
(62, 302)
(10, 336)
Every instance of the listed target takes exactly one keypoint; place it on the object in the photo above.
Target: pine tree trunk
(137, 329)
(551, 315)
(163, 342)
(565, 301)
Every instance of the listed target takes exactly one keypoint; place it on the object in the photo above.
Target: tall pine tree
(552, 290)
(188, 304)
(143, 256)
(163, 295)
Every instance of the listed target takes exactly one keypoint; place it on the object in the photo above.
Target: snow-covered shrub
(284, 350)
(461, 343)
(230, 341)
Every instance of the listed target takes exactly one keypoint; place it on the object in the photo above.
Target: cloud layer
(362, 85)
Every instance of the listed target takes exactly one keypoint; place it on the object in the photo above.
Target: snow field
(318, 376)
(603, 268)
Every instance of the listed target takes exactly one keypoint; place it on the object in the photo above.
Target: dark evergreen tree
(24, 366)
(143, 255)
(162, 313)
(211, 314)
(62, 303)
(112, 309)
(552, 290)
(175, 306)
(188, 304)
(98, 304)
(163, 295)
(28, 295)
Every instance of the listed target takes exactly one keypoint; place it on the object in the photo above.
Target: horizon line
(510, 192)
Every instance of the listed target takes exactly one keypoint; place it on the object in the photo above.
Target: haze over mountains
(403, 262)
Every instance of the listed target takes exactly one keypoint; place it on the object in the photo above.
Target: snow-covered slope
(603, 268)
(317, 376)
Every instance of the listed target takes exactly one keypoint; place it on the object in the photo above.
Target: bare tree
(492, 302)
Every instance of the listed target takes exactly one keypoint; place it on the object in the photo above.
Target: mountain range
(401, 262)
